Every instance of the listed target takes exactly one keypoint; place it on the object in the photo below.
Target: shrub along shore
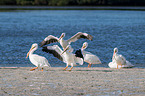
(75, 2)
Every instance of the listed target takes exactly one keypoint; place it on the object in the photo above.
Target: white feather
(35, 59)
(89, 57)
(120, 60)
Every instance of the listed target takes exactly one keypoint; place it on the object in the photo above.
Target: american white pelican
(35, 59)
(66, 56)
(64, 43)
(119, 61)
(89, 57)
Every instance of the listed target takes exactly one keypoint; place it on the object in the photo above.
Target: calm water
(123, 29)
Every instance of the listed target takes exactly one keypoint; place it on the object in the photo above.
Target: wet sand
(79, 82)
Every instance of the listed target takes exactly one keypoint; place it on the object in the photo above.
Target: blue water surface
(19, 29)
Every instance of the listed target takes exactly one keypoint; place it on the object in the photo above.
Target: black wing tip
(44, 49)
(51, 51)
(90, 37)
(48, 42)
(79, 54)
(42, 43)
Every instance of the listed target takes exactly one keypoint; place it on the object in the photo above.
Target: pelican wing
(55, 50)
(40, 60)
(128, 64)
(49, 39)
(123, 60)
(79, 54)
(120, 59)
(79, 60)
(91, 58)
(113, 64)
(80, 35)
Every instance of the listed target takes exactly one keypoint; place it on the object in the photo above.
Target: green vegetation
(74, 2)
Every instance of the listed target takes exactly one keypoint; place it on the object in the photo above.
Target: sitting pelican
(64, 43)
(89, 57)
(66, 56)
(119, 61)
(35, 59)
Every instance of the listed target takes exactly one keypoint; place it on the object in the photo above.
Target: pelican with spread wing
(64, 43)
(66, 56)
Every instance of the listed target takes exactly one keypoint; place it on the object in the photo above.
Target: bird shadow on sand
(96, 70)
(81, 70)
(9, 67)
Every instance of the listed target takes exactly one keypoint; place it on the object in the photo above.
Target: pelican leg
(65, 68)
(34, 68)
(41, 70)
(117, 66)
(89, 65)
(121, 66)
(70, 68)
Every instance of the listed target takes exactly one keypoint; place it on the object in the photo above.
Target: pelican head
(67, 48)
(62, 35)
(85, 45)
(33, 47)
(115, 50)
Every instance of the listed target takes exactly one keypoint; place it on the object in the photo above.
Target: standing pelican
(64, 43)
(66, 56)
(35, 59)
(119, 61)
(89, 57)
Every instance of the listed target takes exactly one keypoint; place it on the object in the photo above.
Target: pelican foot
(70, 68)
(117, 66)
(41, 70)
(65, 68)
(89, 65)
(33, 68)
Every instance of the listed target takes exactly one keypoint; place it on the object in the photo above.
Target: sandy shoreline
(80, 81)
